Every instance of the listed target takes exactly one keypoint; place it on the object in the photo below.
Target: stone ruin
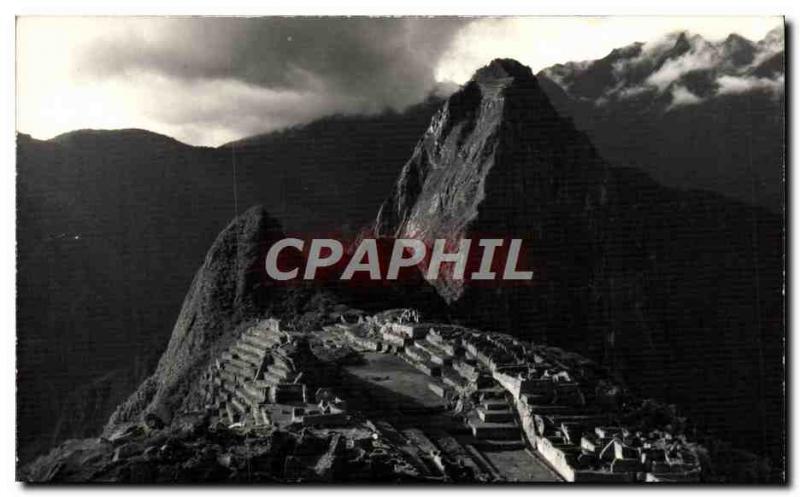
(506, 389)
(271, 409)
(265, 371)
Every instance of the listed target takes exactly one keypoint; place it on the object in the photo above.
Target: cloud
(232, 76)
(731, 85)
(682, 96)
(221, 110)
(690, 69)
(633, 91)
(383, 62)
(702, 55)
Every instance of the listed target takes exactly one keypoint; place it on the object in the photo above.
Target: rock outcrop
(665, 287)
(228, 290)
(498, 159)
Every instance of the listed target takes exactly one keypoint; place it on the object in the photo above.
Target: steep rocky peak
(501, 70)
(491, 96)
(738, 49)
(682, 43)
(497, 158)
(735, 40)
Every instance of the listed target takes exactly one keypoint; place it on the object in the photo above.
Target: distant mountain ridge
(678, 62)
(692, 113)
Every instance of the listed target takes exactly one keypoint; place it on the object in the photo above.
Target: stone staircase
(493, 419)
(265, 377)
(249, 375)
(455, 371)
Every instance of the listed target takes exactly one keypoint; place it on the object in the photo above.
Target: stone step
(249, 342)
(243, 398)
(246, 396)
(435, 353)
(428, 368)
(241, 364)
(466, 370)
(249, 352)
(494, 392)
(439, 389)
(451, 347)
(247, 371)
(494, 416)
(495, 404)
(418, 354)
(255, 393)
(492, 431)
(452, 378)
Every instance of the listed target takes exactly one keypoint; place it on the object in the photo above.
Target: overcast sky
(206, 81)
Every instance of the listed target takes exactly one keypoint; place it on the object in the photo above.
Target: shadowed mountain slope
(113, 224)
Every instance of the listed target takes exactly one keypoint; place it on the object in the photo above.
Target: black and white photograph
(439, 250)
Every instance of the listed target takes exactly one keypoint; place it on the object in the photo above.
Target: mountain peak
(488, 162)
(680, 47)
(735, 38)
(682, 41)
(738, 49)
(503, 69)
